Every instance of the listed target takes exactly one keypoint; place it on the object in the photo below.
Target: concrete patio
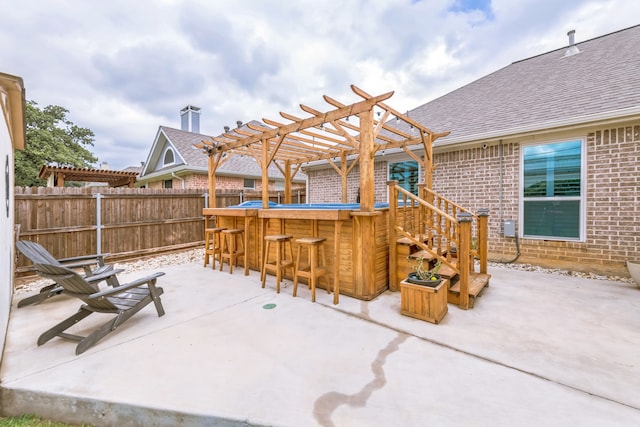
(537, 350)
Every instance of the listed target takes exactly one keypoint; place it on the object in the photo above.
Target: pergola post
(60, 179)
(343, 177)
(428, 161)
(212, 181)
(265, 174)
(287, 182)
(367, 176)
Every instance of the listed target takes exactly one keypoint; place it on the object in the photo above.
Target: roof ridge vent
(572, 49)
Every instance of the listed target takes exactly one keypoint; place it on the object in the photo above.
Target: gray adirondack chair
(91, 264)
(123, 301)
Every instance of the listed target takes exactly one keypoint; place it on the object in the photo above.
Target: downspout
(173, 174)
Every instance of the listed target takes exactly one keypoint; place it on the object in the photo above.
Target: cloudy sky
(122, 68)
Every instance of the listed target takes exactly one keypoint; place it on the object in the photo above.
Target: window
(169, 158)
(552, 199)
(250, 183)
(168, 183)
(407, 175)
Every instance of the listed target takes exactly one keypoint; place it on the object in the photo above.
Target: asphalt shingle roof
(236, 165)
(604, 76)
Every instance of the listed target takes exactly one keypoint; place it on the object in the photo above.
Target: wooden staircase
(431, 227)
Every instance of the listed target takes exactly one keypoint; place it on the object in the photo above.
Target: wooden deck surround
(354, 267)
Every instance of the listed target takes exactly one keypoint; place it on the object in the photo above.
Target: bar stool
(231, 250)
(281, 262)
(312, 271)
(213, 245)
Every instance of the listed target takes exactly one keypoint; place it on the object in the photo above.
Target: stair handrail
(416, 239)
(458, 207)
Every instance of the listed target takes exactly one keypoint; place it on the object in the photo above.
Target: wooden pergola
(354, 132)
(62, 174)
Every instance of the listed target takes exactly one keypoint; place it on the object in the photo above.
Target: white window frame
(164, 157)
(582, 198)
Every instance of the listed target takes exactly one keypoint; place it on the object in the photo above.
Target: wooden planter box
(424, 302)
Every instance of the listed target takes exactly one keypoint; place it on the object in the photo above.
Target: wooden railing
(439, 226)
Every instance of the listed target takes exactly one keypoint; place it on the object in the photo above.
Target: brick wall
(472, 178)
(612, 230)
(325, 185)
(222, 183)
(196, 181)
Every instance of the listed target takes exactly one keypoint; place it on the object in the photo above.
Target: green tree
(51, 138)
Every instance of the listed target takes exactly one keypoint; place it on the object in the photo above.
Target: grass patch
(33, 421)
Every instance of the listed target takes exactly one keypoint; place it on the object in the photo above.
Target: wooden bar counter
(338, 224)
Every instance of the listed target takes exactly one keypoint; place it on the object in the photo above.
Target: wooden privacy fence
(123, 222)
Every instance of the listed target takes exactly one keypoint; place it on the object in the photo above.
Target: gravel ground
(196, 255)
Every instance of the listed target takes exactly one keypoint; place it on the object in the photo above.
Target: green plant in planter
(424, 274)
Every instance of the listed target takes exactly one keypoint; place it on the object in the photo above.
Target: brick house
(549, 144)
(173, 162)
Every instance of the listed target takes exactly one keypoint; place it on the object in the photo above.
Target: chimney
(227, 129)
(572, 49)
(190, 119)
(239, 123)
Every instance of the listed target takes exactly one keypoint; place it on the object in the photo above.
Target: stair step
(448, 272)
(426, 256)
(477, 283)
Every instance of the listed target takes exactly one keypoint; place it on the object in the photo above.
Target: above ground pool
(257, 204)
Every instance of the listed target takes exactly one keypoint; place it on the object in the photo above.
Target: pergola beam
(339, 113)
(346, 131)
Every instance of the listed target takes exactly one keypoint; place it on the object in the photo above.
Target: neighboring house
(549, 144)
(12, 137)
(174, 162)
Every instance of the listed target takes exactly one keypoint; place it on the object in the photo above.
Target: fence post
(98, 197)
(464, 257)
(483, 239)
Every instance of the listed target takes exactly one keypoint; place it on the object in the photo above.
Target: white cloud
(124, 68)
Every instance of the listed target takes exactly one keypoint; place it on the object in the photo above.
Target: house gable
(189, 161)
